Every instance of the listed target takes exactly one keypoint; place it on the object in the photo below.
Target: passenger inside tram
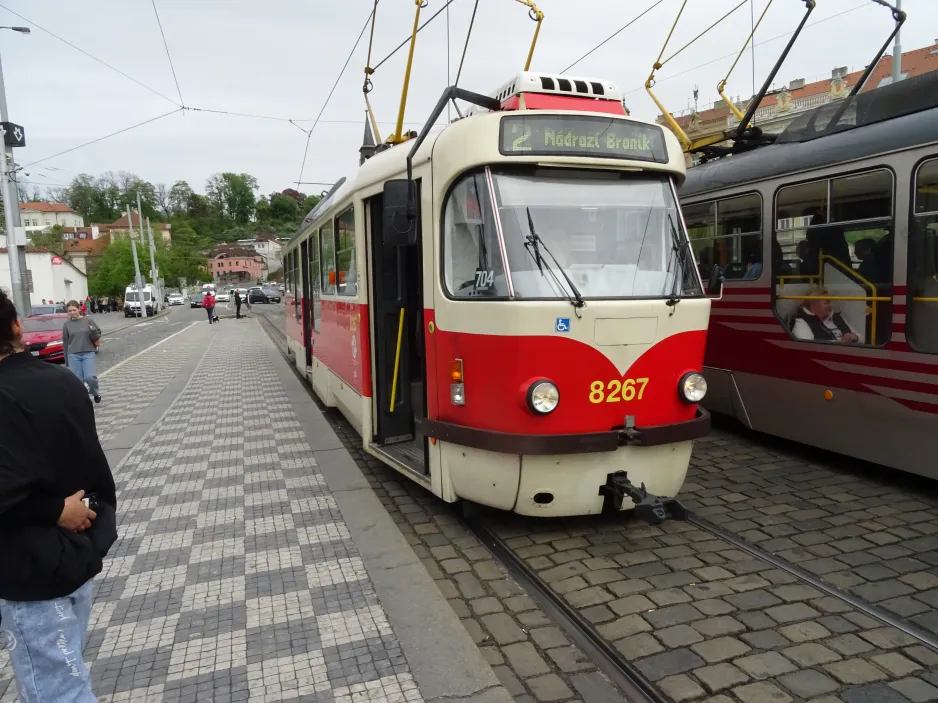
(816, 320)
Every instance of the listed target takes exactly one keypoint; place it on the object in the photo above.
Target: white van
(132, 298)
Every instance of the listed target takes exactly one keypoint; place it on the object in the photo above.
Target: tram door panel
(397, 309)
(307, 306)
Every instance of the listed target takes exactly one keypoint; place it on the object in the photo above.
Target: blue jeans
(82, 365)
(45, 639)
(211, 314)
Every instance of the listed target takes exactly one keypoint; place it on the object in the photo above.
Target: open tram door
(397, 310)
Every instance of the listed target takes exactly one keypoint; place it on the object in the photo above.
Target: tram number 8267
(616, 390)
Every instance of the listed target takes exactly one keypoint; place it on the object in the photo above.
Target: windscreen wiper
(677, 249)
(533, 244)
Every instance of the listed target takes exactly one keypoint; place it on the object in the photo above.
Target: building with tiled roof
(121, 228)
(780, 107)
(42, 217)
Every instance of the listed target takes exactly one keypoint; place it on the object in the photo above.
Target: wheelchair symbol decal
(562, 324)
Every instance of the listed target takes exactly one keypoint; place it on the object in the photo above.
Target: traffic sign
(13, 134)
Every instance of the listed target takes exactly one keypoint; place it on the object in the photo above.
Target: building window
(327, 258)
(726, 236)
(345, 253)
(922, 321)
(833, 268)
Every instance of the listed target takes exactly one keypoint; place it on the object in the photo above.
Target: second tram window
(833, 271)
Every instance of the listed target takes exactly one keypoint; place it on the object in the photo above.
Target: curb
(445, 662)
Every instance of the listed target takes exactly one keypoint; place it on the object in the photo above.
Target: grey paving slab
(235, 573)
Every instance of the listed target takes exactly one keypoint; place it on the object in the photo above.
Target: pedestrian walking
(94, 306)
(208, 302)
(57, 520)
(237, 301)
(81, 337)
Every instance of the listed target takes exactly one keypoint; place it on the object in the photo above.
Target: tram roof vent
(555, 84)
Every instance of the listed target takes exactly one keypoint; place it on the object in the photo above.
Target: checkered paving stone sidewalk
(132, 387)
(234, 577)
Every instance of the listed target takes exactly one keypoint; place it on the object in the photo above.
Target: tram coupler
(649, 507)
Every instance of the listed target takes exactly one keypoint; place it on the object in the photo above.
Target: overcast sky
(280, 58)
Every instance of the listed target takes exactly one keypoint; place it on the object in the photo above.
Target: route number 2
(616, 390)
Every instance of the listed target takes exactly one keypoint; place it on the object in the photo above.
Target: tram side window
(726, 236)
(472, 261)
(833, 266)
(314, 280)
(922, 321)
(346, 276)
(327, 259)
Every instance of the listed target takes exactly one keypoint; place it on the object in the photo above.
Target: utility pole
(154, 274)
(138, 278)
(16, 250)
(897, 53)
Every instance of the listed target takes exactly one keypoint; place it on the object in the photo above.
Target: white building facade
(268, 249)
(42, 217)
(54, 277)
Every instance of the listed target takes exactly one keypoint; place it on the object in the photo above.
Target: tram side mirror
(715, 284)
(399, 222)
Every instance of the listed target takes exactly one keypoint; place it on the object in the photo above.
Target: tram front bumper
(569, 475)
(580, 443)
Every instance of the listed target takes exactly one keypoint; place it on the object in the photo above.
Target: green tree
(232, 195)
(284, 209)
(51, 240)
(310, 202)
(179, 196)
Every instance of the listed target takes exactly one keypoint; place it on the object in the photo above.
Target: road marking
(152, 346)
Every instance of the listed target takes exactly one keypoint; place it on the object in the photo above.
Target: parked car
(222, 296)
(257, 295)
(195, 301)
(42, 337)
(50, 309)
(273, 295)
(176, 298)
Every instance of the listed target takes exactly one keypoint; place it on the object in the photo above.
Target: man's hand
(76, 516)
(850, 338)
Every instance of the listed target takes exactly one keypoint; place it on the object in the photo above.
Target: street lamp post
(15, 252)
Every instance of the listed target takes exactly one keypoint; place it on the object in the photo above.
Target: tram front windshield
(614, 235)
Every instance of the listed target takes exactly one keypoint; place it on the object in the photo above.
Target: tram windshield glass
(615, 235)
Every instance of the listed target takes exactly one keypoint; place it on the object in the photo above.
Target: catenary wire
(613, 35)
(170, 58)
(90, 56)
(309, 134)
(100, 139)
(762, 43)
(404, 43)
(466, 45)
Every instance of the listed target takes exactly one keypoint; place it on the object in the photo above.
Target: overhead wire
(613, 35)
(309, 134)
(100, 139)
(166, 46)
(466, 45)
(90, 56)
(407, 41)
(762, 43)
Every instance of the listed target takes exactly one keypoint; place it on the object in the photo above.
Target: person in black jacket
(57, 519)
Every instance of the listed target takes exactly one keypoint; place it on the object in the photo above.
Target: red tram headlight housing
(542, 397)
(692, 387)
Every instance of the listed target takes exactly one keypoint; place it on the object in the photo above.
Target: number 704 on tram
(507, 310)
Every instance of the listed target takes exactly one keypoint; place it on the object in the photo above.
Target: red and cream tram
(825, 244)
(508, 310)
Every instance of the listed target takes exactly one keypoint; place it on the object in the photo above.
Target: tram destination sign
(581, 135)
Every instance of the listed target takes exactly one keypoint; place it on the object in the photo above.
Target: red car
(42, 336)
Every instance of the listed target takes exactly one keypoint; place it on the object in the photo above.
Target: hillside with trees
(230, 209)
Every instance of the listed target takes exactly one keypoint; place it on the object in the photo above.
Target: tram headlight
(543, 397)
(692, 387)
(457, 393)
